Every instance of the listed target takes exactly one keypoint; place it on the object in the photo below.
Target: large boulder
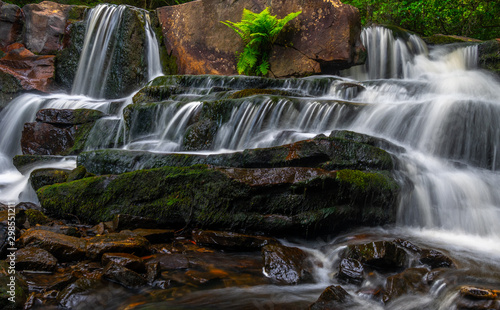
(323, 39)
(46, 24)
(11, 24)
(299, 202)
(58, 132)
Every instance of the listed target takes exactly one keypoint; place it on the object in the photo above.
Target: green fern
(258, 31)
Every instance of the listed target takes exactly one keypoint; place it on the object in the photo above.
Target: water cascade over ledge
(433, 103)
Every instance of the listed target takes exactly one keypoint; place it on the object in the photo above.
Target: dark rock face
(58, 132)
(324, 37)
(66, 61)
(11, 24)
(286, 265)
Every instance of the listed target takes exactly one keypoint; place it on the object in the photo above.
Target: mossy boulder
(47, 176)
(227, 200)
(489, 56)
(330, 153)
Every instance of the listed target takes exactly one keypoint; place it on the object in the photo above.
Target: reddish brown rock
(11, 24)
(46, 25)
(325, 37)
(65, 248)
(57, 132)
(116, 243)
(35, 259)
(32, 71)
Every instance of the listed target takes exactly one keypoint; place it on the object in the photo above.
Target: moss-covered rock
(489, 56)
(35, 217)
(24, 163)
(330, 153)
(217, 199)
(47, 176)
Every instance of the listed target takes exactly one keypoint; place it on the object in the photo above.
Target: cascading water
(434, 103)
(89, 83)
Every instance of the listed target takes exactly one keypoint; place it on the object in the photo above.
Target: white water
(89, 83)
(435, 104)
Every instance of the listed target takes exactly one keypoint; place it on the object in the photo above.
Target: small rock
(103, 228)
(35, 259)
(351, 271)
(116, 243)
(123, 276)
(333, 298)
(479, 293)
(65, 248)
(287, 265)
(129, 261)
(231, 240)
(28, 206)
(125, 221)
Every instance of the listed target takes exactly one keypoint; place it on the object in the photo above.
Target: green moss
(35, 217)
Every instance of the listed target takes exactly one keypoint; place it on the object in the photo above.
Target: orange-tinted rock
(410, 281)
(32, 71)
(65, 248)
(333, 298)
(11, 24)
(116, 243)
(35, 259)
(325, 37)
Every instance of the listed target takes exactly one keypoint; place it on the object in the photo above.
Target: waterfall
(97, 57)
(103, 22)
(95, 61)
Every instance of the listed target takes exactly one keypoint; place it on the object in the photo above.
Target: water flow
(95, 61)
